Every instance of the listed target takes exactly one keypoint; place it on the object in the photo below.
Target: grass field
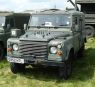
(83, 73)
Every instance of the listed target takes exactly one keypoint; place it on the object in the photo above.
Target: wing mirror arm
(8, 26)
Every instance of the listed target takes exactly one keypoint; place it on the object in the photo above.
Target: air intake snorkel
(74, 4)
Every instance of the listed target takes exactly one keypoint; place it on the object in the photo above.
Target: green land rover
(53, 38)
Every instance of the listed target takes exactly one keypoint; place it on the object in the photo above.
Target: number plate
(15, 60)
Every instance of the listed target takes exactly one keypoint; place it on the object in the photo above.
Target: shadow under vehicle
(8, 21)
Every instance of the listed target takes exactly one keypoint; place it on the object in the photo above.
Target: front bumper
(32, 61)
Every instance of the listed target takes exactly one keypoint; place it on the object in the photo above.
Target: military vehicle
(53, 38)
(87, 6)
(8, 21)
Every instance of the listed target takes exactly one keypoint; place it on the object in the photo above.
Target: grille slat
(33, 48)
(39, 49)
(32, 43)
(33, 52)
(37, 54)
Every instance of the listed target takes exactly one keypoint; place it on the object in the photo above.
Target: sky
(22, 5)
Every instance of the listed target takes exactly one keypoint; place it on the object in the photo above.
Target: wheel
(1, 52)
(81, 51)
(66, 70)
(90, 31)
(15, 68)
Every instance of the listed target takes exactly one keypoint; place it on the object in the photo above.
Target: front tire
(66, 70)
(15, 68)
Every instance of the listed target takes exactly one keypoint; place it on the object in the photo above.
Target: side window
(81, 23)
(75, 20)
(76, 23)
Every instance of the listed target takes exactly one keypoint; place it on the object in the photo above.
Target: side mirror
(25, 26)
(8, 26)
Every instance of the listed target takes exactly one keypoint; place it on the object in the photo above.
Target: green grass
(83, 73)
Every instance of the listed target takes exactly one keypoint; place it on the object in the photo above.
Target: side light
(59, 53)
(9, 49)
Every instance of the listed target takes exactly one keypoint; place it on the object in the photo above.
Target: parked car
(53, 37)
(10, 21)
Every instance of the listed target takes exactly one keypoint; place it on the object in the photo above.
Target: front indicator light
(59, 53)
(9, 49)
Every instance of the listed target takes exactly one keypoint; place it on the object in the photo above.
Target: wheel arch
(71, 53)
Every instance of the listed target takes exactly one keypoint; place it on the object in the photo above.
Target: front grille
(39, 49)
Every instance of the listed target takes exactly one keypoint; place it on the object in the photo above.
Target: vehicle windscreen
(2, 21)
(57, 20)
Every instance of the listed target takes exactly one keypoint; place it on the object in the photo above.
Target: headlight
(53, 50)
(15, 47)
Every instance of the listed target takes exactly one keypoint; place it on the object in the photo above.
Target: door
(76, 33)
(81, 24)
